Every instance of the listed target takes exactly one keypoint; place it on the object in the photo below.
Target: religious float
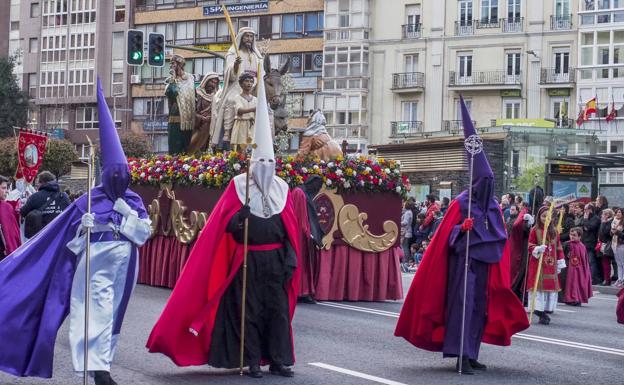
(359, 209)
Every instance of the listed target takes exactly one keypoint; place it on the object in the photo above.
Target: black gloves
(244, 212)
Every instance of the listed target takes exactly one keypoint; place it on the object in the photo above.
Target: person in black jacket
(590, 224)
(536, 199)
(567, 223)
(605, 253)
(48, 190)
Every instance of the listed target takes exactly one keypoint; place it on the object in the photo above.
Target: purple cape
(35, 287)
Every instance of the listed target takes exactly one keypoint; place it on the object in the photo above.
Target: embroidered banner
(31, 147)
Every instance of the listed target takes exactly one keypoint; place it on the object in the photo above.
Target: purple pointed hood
(487, 240)
(482, 175)
(115, 172)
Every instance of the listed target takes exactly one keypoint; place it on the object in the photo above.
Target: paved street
(341, 343)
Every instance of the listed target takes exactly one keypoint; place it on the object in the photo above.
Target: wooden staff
(231, 28)
(87, 290)
(539, 265)
(560, 222)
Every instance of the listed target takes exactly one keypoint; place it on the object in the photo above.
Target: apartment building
(288, 29)
(55, 42)
(513, 61)
(601, 75)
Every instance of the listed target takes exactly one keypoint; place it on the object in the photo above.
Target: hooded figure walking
(43, 281)
(431, 317)
(201, 321)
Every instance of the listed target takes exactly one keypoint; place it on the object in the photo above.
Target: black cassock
(267, 323)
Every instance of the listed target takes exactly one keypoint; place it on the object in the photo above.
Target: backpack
(33, 222)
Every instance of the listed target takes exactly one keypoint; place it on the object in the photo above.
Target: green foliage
(14, 103)
(135, 145)
(58, 157)
(8, 156)
(526, 180)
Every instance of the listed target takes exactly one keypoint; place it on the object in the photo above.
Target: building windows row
(53, 49)
(86, 118)
(341, 62)
(56, 118)
(149, 107)
(346, 14)
(304, 64)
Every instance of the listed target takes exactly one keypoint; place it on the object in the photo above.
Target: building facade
(601, 76)
(292, 29)
(55, 42)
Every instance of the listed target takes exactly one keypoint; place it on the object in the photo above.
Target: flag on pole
(590, 108)
(581, 117)
(613, 113)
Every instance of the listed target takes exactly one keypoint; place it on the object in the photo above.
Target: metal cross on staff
(473, 145)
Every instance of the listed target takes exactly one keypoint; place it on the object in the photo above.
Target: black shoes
(281, 370)
(307, 299)
(476, 365)
(544, 319)
(466, 367)
(254, 371)
(103, 377)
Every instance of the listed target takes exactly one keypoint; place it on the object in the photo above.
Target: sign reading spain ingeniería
(247, 7)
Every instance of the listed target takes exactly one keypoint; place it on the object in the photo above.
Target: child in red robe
(578, 287)
(552, 262)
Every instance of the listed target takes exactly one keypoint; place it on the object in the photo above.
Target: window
(412, 14)
(489, 11)
(35, 10)
(185, 32)
(15, 26)
(560, 110)
(562, 62)
(32, 85)
(465, 66)
(513, 65)
(409, 111)
(410, 63)
(458, 115)
(465, 12)
(514, 8)
(292, 25)
(86, 118)
(56, 118)
(314, 24)
(562, 9)
(616, 146)
(511, 108)
(33, 45)
(119, 14)
(117, 85)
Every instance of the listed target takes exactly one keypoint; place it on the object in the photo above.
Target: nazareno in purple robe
(487, 242)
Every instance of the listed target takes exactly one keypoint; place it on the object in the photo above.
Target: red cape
(516, 242)
(10, 228)
(619, 310)
(422, 320)
(211, 266)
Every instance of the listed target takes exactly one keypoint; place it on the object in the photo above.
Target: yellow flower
(299, 179)
(339, 158)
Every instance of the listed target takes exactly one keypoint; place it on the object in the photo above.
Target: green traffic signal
(156, 49)
(134, 48)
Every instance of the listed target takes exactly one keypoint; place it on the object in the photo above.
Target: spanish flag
(590, 108)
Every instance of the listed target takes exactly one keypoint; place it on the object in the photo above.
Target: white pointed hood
(267, 192)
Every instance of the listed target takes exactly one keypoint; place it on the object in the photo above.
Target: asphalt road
(353, 343)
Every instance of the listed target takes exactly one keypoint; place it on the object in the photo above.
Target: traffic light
(156, 49)
(135, 48)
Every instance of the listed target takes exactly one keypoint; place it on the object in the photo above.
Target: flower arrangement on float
(351, 173)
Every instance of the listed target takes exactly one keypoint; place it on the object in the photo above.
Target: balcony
(408, 82)
(488, 23)
(406, 128)
(464, 28)
(455, 126)
(411, 31)
(558, 23)
(555, 78)
(513, 25)
(484, 80)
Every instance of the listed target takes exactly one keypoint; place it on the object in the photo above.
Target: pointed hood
(263, 154)
(482, 175)
(115, 173)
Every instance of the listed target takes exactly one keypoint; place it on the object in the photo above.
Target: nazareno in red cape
(422, 320)
(211, 266)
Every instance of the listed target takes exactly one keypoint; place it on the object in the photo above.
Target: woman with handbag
(606, 250)
(617, 245)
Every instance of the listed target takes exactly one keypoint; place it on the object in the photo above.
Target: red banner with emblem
(31, 147)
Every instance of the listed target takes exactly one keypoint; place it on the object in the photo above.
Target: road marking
(529, 337)
(605, 299)
(355, 374)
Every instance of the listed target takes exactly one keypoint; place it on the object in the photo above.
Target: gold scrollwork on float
(356, 234)
(184, 231)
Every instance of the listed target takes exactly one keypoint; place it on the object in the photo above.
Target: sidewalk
(606, 289)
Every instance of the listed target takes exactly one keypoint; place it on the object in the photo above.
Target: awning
(598, 161)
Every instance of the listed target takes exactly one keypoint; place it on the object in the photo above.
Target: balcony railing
(408, 80)
(483, 78)
(556, 76)
(405, 128)
(560, 22)
(463, 28)
(513, 24)
(411, 31)
(455, 125)
(488, 23)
